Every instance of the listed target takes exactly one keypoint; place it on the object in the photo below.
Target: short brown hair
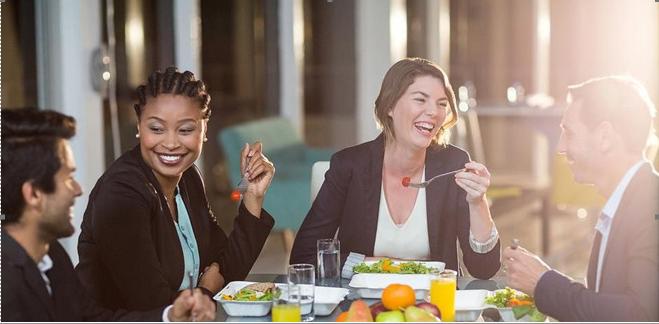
(31, 140)
(399, 77)
(620, 100)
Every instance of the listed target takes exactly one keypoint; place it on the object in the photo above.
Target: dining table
(464, 283)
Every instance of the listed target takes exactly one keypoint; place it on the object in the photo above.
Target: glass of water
(329, 262)
(304, 276)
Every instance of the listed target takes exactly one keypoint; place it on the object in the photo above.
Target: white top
(608, 212)
(405, 241)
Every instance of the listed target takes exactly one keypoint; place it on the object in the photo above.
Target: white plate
(470, 303)
(241, 308)
(327, 298)
(325, 301)
(370, 285)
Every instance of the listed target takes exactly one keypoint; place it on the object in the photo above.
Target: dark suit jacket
(629, 285)
(130, 254)
(350, 197)
(25, 298)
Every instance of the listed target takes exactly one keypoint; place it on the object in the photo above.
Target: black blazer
(130, 255)
(25, 298)
(350, 197)
(629, 286)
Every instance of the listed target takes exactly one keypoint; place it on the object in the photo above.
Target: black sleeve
(324, 217)
(85, 304)
(92, 312)
(122, 229)
(237, 253)
(479, 265)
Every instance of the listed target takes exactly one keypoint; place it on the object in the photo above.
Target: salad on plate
(520, 303)
(386, 265)
(260, 291)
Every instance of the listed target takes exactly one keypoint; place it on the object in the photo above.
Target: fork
(407, 183)
(191, 281)
(515, 244)
(242, 185)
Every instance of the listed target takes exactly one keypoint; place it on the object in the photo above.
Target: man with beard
(605, 130)
(38, 193)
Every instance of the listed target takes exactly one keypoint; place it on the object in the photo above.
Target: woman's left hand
(259, 171)
(475, 181)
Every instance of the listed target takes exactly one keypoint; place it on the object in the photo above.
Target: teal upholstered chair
(287, 198)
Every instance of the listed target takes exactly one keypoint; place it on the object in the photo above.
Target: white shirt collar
(612, 203)
(45, 264)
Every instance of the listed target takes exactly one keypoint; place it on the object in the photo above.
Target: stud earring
(137, 135)
(205, 139)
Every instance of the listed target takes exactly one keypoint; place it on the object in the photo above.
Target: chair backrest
(276, 133)
(318, 177)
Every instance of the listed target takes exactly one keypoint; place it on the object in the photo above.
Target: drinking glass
(442, 293)
(304, 276)
(286, 307)
(329, 262)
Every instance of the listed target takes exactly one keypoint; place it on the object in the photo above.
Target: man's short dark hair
(621, 100)
(30, 142)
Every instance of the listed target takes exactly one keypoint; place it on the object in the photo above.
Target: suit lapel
(38, 286)
(433, 205)
(31, 274)
(592, 263)
(617, 231)
(372, 182)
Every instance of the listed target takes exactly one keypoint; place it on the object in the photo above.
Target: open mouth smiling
(170, 159)
(425, 127)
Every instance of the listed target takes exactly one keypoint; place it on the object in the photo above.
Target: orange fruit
(342, 317)
(397, 296)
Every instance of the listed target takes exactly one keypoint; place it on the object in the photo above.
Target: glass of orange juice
(442, 293)
(286, 307)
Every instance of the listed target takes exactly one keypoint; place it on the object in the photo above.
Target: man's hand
(523, 269)
(192, 307)
(212, 279)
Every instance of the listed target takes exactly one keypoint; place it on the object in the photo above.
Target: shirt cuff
(486, 246)
(352, 260)
(165, 314)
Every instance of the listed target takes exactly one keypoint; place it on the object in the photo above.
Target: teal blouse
(188, 244)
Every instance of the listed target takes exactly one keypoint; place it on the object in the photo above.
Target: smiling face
(56, 220)
(579, 143)
(171, 129)
(420, 112)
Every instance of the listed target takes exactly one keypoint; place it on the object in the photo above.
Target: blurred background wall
(319, 64)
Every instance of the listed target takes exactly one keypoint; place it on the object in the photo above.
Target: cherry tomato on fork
(235, 195)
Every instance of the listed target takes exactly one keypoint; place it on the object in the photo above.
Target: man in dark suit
(38, 192)
(605, 131)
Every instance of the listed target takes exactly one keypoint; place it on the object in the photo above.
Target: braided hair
(176, 83)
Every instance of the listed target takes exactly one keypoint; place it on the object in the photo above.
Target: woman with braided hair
(148, 230)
